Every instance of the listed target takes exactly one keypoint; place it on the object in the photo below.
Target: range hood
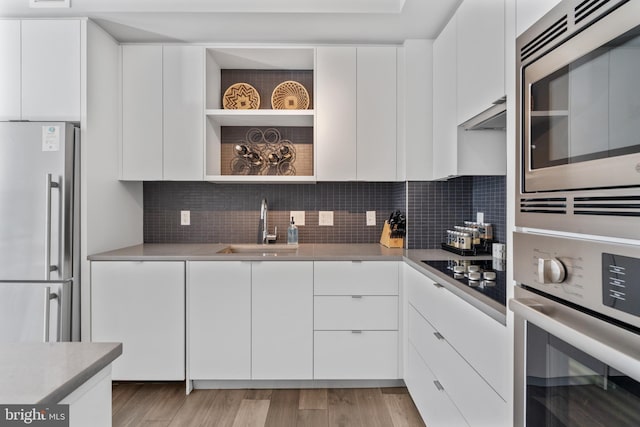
(493, 118)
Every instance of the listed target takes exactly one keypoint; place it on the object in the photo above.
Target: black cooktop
(459, 270)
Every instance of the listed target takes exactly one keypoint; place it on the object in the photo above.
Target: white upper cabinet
(468, 76)
(415, 111)
(51, 70)
(445, 133)
(356, 113)
(480, 56)
(142, 112)
(10, 70)
(40, 69)
(162, 112)
(336, 113)
(183, 120)
(376, 115)
(529, 11)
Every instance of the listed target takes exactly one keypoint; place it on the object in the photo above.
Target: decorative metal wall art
(263, 153)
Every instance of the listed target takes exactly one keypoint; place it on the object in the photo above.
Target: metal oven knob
(551, 271)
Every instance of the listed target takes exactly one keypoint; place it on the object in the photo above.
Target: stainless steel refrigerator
(39, 231)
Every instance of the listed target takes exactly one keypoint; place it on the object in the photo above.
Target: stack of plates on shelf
(290, 95)
(241, 96)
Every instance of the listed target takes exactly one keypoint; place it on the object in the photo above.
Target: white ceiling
(255, 21)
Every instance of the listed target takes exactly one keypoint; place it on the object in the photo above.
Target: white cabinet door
(415, 110)
(472, 333)
(51, 70)
(433, 403)
(140, 304)
(343, 312)
(445, 132)
(10, 70)
(282, 320)
(355, 278)
(355, 355)
(183, 118)
(219, 320)
(476, 400)
(142, 157)
(480, 56)
(335, 100)
(376, 116)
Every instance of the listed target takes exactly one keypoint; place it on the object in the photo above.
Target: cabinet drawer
(355, 278)
(434, 404)
(476, 400)
(355, 312)
(481, 340)
(348, 355)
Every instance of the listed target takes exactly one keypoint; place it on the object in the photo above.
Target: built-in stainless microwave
(578, 82)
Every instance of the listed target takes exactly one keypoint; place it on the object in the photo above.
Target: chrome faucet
(263, 227)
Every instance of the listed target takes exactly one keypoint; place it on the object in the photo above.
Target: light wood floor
(165, 404)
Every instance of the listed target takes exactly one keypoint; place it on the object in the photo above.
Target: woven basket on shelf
(241, 96)
(290, 95)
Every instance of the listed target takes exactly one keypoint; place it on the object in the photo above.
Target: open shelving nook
(263, 68)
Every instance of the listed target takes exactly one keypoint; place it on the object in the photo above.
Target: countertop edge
(486, 305)
(80, 378)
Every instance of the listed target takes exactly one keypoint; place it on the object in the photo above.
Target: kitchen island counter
(46, 373)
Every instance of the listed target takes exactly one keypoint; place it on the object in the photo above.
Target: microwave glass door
(566, 387)
(581, 109)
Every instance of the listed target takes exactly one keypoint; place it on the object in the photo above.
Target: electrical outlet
(325, 218)
(298, 217)
(185, 217)
(371, 218)
(480, 217)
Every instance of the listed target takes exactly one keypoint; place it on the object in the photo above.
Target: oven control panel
(603, 277)
(621, 283)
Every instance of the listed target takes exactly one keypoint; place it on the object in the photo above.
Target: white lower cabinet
(355, 355)
(219, 320)
(356, 320)
(452, 338)
(432, 401)
(141, 304)
(282, 320)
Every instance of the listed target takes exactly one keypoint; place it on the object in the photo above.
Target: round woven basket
(241, 96)
(290, 95)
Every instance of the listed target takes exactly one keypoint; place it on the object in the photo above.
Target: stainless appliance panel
(594, 187)
(583, 261)
(35, 311)
(586, 57)
(30, 230)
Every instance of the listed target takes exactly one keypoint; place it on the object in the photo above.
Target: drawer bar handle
(437, 285)
(355, 331)
(438, 385)
(356, 296)
(438, 335)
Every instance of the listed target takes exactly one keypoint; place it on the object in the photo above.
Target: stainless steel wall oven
(577, 332)
(579, 119)
(577, 245)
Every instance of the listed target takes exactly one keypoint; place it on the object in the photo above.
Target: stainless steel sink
(258, 248)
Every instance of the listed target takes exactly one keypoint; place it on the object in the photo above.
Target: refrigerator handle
(48, 268)
(48, 296)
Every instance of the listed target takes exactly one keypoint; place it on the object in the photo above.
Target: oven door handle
(606, 342)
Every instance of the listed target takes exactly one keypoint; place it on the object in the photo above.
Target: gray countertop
(209, 252)
(45, 373)
(315, 252)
